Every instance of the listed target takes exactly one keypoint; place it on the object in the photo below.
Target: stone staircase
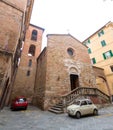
(79, 92)
(57, 109)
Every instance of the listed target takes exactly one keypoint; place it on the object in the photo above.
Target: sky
(80, 18)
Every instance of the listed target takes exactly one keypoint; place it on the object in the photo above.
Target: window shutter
(89, 50)
(104, 56)
(111, 53)
(99, 34)
(102, 32)
(94, 60)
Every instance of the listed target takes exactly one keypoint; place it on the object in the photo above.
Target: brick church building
(62, 67)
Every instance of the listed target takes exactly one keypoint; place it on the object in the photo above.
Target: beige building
(100, 49)
(25, 77)
(14, 20)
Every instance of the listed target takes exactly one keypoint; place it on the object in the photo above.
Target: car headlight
(71, 111)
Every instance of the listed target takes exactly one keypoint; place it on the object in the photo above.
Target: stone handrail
(82, 91)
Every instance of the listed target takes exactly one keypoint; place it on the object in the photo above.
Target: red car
(19, 103)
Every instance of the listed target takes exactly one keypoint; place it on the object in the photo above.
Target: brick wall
(20, 4)
(14, 19)
(40, 81)
(10, 21)
(24, 85)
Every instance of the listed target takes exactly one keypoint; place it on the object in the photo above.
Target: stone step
(56, 108)
(56, 111)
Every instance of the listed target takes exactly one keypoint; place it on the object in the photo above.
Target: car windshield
(77, 103)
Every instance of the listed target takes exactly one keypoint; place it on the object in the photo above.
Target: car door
(84, 108)
(90, 107)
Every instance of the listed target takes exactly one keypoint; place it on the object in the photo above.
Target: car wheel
(78, 114)
(69, 115)
(95, 112)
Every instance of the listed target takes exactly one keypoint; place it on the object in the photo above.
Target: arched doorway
(74, 81)
(74, 78)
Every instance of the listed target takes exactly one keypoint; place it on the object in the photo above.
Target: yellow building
(100, 49)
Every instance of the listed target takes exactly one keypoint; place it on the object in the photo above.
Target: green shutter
(104, 56)
(102, 32)
(88, 40)
(103, 43)
(99, 34)
(89, 50)
(111, 53)
(94, 60)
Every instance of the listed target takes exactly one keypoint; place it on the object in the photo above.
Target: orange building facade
(25, 78)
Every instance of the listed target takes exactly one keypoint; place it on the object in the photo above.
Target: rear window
(22, 99)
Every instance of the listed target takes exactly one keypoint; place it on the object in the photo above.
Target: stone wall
(10, 21)
(40, 80)
(5, 76)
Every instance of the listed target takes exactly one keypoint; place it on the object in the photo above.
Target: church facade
(62, 66)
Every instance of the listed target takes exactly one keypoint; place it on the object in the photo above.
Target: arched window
(30, 63)
(31, 50)
(28, 73)
(70, 51)
(34, 35)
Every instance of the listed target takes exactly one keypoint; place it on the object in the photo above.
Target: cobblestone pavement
(35, 119)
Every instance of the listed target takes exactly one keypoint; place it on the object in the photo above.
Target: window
(28, 73)
(87, 42)
(89, 50)
(70, 51)
(83, 103)
(111, 68)
(30, 63)
(34, 35)
(107, 54)
(28, 2)
(93, 60)
(31, 50)
(103, 43)
(101, 33)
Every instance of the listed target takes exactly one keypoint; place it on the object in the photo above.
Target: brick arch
(32, 49)
(99, 75)
(34, 35)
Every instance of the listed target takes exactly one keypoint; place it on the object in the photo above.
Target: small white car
(82, 107)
